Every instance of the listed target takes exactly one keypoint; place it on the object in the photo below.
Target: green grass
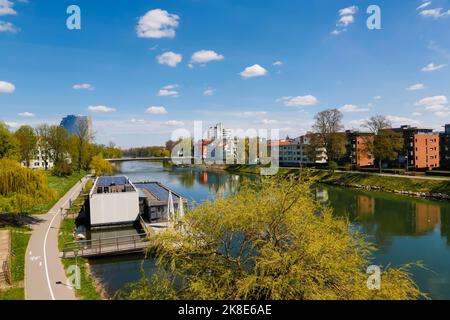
(19, 242)
(87, 289)
(12, 294)
(385, 183)
(62, 185)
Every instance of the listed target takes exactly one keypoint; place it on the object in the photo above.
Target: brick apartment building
(421, 148)
(445, 147)
(357, 153)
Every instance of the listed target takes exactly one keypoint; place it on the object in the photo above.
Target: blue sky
(113, 68)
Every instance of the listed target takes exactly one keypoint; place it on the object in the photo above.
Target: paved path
(5, 247)
(43, 266)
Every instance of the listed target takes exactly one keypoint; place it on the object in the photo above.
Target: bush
(438, 173)
(62, 169)
(100, 166)
(332, 166)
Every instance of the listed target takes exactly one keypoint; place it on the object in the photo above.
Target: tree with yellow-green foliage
(21, 188)
(100, 166)
(269, 241)
(27, 141)
(9, 146)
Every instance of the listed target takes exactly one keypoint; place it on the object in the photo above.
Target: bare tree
(43, 140)
(328, 133)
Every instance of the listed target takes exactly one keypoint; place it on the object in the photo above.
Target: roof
(110, 181)
(157, 190)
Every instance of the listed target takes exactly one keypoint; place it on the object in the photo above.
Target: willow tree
(9, 147)
(269, 241)
(21, 188)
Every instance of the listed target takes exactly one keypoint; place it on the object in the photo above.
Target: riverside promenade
(45, 277)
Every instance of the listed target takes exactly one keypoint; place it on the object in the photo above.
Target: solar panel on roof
(108, 181)
(159, 192)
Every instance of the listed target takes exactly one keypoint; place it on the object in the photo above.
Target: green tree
(57, 140)
(100, 166)
(385, 144)
(27, 140)
(269, 241)
(9, 147)
(83, 146)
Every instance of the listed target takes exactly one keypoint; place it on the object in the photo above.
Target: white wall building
(113, 201)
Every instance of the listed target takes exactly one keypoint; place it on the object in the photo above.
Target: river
(404, 229)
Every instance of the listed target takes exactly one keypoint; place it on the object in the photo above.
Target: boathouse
(113, 201)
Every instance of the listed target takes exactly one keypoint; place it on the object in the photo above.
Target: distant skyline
(144, 68)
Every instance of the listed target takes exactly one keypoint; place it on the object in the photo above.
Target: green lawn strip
(385, 183)
(87, 289)
(62, 185)
(12, 294)
(19, 242)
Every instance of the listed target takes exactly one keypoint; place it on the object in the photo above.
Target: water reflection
(404, 229)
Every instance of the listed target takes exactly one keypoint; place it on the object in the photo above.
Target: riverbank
(411, 186)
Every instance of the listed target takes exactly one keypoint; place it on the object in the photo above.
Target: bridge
(178, 159)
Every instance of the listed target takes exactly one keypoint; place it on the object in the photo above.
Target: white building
(40, 161)
(113, 201)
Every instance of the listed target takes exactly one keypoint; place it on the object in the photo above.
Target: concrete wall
(114, 208)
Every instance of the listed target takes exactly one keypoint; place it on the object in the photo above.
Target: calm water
(404, 229)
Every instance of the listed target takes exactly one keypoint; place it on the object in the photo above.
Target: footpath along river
(404, 229)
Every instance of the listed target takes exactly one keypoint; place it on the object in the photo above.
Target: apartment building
(40, 161)
(421, 149)
(357, 149)
(445, 147)
(293, 152)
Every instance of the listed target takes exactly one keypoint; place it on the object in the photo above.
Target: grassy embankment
(19, 242)
(62, 185)
(350, 179)
(88, 290)
(20, 235)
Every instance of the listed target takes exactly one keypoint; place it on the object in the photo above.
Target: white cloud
(399, 121)
(433, 67)
(268, 121)
(424, 5)
(168, 91)
(278, 63)
(251, 114)
(432, 101)
(346, 20)
(26, 114)
(101, 109)
(7, 87)
(436, 108)
(156, 110)
(299, 101)
(205, 56)
(6, 8)
(377, 98)
(416, 87)
(416, 114)
(12, 124)
(83, 86)
(170, 58)
(434, 13)
(253, 71)
(337, 32)
(8, 27)
(350, 108)
(174, 123)
(442, 114)
(157, 24)
(208, 92)
(348, 11)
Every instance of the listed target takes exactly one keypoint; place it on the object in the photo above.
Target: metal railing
(6, 268)
(106, 245)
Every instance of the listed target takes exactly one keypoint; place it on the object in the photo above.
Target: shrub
(62, 169)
